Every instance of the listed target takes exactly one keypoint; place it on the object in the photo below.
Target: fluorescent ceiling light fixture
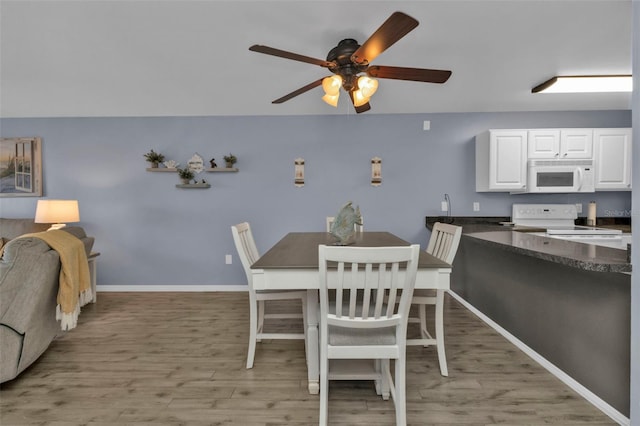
(586, 84)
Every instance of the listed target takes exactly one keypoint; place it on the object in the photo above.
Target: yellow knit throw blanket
(75, 285)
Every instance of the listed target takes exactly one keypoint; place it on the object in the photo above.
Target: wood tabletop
(299, 250)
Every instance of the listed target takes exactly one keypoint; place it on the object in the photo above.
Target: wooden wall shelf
(174, 170)
(161, 169)
(222, 169)
(194, 185)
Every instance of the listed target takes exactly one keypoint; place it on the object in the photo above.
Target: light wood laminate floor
(179, 359)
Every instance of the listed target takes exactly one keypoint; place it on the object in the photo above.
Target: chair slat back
(246, 247)
(361, 278)
(444, 241)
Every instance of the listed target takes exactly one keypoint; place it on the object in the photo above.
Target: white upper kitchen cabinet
(612, 159)
(560, 143)
(501, 161)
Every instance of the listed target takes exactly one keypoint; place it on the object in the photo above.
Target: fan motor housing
(345, 67)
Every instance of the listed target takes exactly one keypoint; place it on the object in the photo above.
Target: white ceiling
(182, 57)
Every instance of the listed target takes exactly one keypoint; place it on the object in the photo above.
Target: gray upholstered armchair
(29, 274)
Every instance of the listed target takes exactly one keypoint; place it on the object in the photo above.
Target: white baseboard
(600, 404)
(170, 288)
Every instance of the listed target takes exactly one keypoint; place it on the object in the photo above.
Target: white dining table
(292, 264)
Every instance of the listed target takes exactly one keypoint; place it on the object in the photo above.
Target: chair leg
(400, 398)
(260, 324)
(383, 366)
(378, 382)
(324, 386)
(442, 358)
(253, 330)
(424, 334)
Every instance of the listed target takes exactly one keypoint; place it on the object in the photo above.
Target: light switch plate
(476, 206)
(228, 259)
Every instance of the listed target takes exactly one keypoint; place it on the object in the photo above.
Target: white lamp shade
(331, 99)
(367, 86)
(331, 85)
(57, 211)
(359, 99)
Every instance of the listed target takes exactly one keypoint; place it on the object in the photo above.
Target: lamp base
(57, 226)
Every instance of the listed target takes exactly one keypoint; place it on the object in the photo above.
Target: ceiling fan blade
(289, 55)
(393, 29)
(299, 91)
(359, 109)
(413, 74)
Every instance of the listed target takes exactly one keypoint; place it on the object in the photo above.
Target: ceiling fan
(350, 64)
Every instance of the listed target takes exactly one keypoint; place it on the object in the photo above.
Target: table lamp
(57, 212)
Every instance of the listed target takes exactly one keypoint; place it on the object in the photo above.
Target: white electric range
(559, 222)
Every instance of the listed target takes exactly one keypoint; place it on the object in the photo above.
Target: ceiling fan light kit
(359, 99)
(349, 62)
(586, 84)
(331, 99)
(331, 85)
(367, 86)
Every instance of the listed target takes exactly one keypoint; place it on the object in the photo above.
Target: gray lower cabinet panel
(578, 320)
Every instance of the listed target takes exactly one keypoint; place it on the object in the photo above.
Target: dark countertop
(466, 220)
(578, 255)
(519, 240)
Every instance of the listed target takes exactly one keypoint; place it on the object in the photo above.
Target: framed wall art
(20, 167)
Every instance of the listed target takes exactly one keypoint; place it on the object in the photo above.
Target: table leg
(313, 339)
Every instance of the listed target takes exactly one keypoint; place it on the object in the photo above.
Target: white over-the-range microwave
(548, 176)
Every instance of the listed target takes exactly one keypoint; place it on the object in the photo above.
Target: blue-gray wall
(151, 233)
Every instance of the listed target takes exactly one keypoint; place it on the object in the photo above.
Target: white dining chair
(248, 253)
(357, 324)
(443, 244)
(358, 227)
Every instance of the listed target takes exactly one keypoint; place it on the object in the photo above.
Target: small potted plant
(154, 158)
(230, 160)
(185, 175)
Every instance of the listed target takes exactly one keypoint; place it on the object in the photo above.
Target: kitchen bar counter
(588, 257)
(489, 231)
(569, 302)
